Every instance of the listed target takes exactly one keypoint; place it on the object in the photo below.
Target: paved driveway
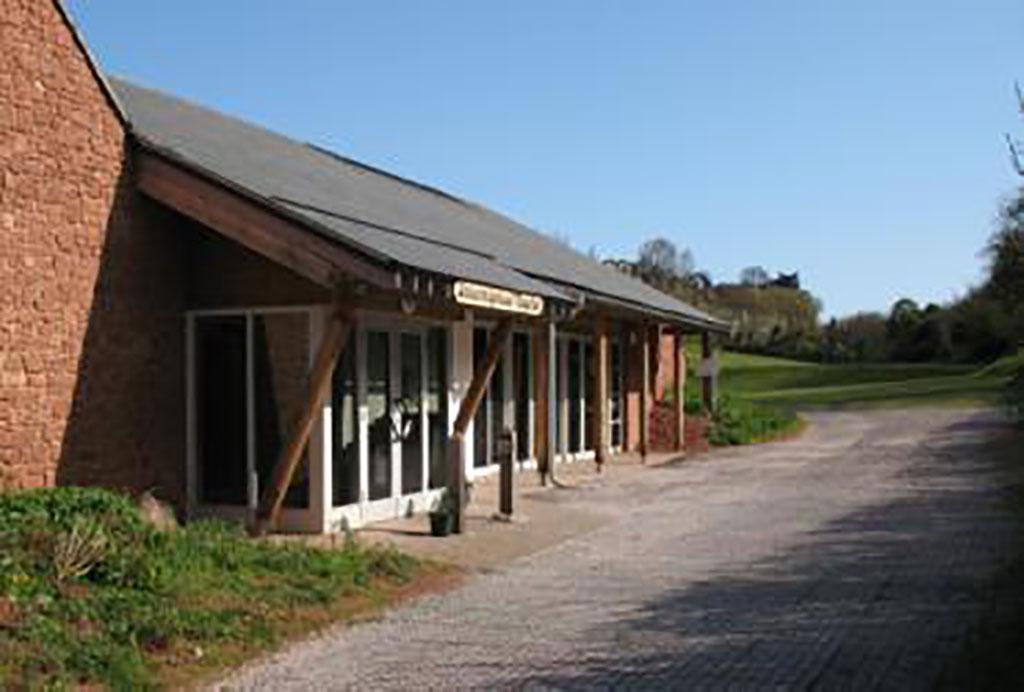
(857, 556)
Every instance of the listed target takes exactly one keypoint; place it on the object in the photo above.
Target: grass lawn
(90, 595)
(791, 384)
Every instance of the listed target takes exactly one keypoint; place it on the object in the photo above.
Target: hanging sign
(481, 296)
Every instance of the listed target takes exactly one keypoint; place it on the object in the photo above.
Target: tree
(1005, 253)
(1015, 145)
(658, 257)
(755, 276)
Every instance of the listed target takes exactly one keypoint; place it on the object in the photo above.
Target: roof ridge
(387, 229)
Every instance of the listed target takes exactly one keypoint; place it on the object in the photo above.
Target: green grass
(784, 383)
(92, 595)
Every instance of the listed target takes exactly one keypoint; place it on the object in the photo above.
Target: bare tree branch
(1016, 157)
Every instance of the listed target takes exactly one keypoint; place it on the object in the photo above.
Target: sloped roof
(383, 215)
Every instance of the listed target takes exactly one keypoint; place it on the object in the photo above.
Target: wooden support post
(708, 378)
(645, 393)
(334, 339)
(680, 385)
(541, 366)
(600, 407)
(474, 395)
(504, 453)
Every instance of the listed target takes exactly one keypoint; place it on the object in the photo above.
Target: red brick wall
(634, 385)
(662, 363)
(665, 376)
(90, 279)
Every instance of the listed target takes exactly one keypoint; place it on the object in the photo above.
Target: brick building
(179, 289)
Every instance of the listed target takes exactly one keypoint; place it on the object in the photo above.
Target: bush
(740, 423)
(98, 595)
(1015, 395)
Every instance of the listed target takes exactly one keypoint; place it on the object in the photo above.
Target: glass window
(574, 393)
(496, 395)
(220, 397)
(560, 409)
(615, 407)
(521, 388)
(410, 409)
(379, 427)
(480, 419)
(589, 390)
(280, 370)
(345, 430)
(437, 405)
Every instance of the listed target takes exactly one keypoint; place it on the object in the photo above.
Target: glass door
(344, 429)
(220, 400)
(575, 391)
(437, 405)
(378, 408)
(615, 407)
(410, 412)
(521, 391)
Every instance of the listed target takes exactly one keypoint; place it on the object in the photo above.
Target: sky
(859, 143)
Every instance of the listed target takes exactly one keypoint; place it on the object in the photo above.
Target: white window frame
(290, 518)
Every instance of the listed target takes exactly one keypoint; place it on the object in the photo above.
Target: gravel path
(857, 556)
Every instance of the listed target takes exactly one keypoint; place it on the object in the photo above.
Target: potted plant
(442, 515)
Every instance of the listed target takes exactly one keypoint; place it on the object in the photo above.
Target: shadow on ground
(888, 596)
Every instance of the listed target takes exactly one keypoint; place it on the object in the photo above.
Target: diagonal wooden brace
(335, 337)
(470, 403)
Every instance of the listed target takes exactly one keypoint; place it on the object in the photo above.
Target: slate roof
(389, 218)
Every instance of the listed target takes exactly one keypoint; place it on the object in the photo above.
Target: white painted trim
(531, 397)
(395, 393)
(424, 418)
(290, 519)
(362, 417)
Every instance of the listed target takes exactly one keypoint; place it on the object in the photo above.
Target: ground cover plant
(92, 594)
(738, 422)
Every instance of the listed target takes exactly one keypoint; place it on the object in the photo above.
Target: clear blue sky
(857, 142)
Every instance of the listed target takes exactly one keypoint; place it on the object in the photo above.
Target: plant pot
(441, 523)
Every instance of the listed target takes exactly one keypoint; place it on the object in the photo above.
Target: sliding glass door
(220, 401)
(249, 376)
(400, 384)
(521, 387)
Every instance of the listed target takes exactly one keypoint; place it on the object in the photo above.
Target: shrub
(740, 423)
(1015, 395)
(98, 594)
(76, 552)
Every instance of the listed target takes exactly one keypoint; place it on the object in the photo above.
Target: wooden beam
(474, 395)
(680, 385)
(600, 407)
(645, 392)
(253, 225)
(335, 337)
